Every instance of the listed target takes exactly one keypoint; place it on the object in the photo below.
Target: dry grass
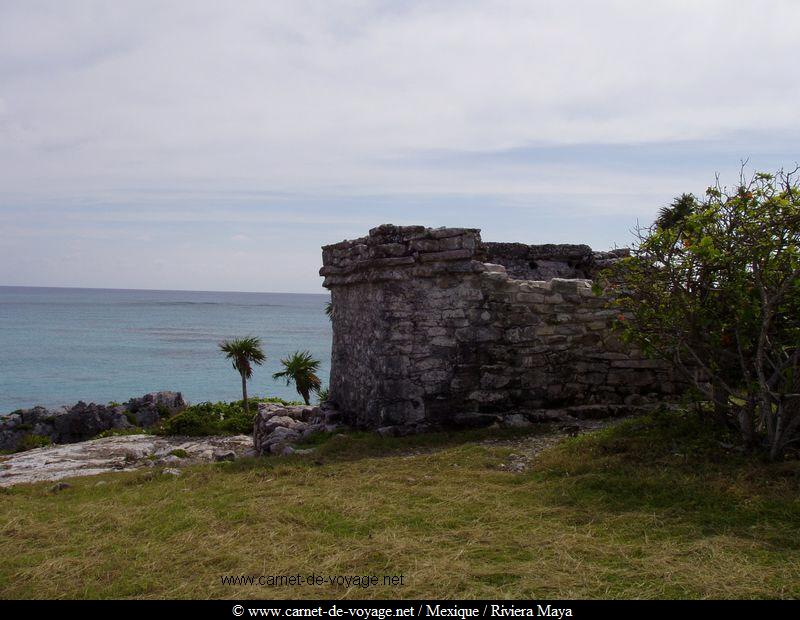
(606, 515)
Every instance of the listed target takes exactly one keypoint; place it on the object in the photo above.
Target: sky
(206, 145)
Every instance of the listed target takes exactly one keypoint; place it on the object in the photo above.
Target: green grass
(651, 508)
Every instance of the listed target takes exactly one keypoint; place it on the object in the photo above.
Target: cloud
(328, 118)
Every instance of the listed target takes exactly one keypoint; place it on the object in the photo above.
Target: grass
(650, 508)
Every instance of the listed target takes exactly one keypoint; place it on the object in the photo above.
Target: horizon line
(154, 290)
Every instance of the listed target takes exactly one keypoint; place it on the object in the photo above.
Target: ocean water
(60, 345)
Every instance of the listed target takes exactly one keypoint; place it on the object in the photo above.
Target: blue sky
(217, 146)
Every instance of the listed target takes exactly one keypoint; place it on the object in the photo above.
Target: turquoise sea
(62, 345)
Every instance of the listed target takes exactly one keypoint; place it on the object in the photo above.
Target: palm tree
(301, 368)
(243, 352)
(329, 309)
(675, 214)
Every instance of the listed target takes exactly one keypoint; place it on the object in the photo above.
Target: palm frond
(301, 368)
(681, 208)
(243, 352)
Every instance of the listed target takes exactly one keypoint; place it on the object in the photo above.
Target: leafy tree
(713, 286)
(301, 369)
(243, 353)
(329, 310)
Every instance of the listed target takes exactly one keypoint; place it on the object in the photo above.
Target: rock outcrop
(85, 421)
(161, 455)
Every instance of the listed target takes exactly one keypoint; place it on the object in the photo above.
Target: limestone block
(442, 233)
(487, 396)
(537, 298)
(424, 245)
(446, 255)
(450, 243)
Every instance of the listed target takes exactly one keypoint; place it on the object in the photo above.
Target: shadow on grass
(337, 447)
(676, 467)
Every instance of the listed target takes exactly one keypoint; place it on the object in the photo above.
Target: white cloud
(175, 104)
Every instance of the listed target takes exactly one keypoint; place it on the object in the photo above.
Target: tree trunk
(746, 424)
(720, 403)
(304, 394)
(244, 393)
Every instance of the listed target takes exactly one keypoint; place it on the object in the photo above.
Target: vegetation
(713, 286)
(121, 432)
(301, 369)
(329, 310)
(208, 418)
(31, 441)
(243, 353)
(652, 508)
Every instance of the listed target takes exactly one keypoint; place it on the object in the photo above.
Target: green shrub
(180, 453)
(215, 418)
(713, 288)
(197, 420)
(31, 441)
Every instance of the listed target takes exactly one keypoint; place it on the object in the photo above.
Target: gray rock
(387, 431)
(276, 428)
(516, 420)
(227, 455)
(110, 454)
(171, 471)
(84, 421)
(281, 421)
(150, 408)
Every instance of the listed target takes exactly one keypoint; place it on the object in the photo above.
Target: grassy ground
(650, 508)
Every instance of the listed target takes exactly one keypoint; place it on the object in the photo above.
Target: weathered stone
(281, 421)
(276, 428)
(84, 421)
(150, 408)
(516, 420)
(465, 327)
(446, 255)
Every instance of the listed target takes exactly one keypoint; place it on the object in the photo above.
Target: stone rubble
(277, 427)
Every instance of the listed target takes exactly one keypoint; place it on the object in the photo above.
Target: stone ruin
(434, 328)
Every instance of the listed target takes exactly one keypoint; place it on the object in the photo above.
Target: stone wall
(433, 327)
